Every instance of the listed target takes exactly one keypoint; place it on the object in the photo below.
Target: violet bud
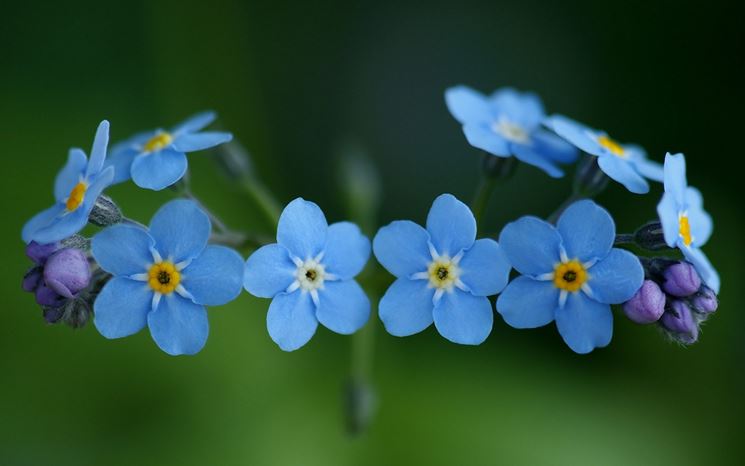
(681, 279)
(32, 279)
(46, 296)
(67, 272)
(679, 321)
(39, 253)
(647, 305)
(53, 314)
(705, 301)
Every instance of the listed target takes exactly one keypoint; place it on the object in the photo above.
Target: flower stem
(493, 169)
(263, 197)
(563, 206)
(481, 199)
(624, 239)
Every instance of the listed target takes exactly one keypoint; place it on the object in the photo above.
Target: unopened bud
(52, 314)
(650, 237)
(647, 305)
(77, 312)
(46, 296)
(678, 320)
(67, 272)
(705, 301)
(681, 279)
(39, 253)
(105, 212)
(32, 279)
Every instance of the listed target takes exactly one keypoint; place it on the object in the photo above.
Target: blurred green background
(297, 81)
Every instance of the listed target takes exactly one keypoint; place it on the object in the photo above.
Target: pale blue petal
(528, 154)
(178, 326)
(269, 271)
(406, 307)
(467, 105)
(302, 229)
(451, 225)
(191, 142)
(347, 250)
(703, 266)
(616, 278)
(463, 318)
(291, 320)
(98, 151)
(576, 133)
(343, 306)
(553, 147)
(649, 169)
(41, 221)
(99, 182)
(531, 245)
(484, 268)
(70, 175)
(215, 277)
(482, 137)
(123, 250)
(584, 324)
(402, 248)
(528, 303)
(195, 123)
(121, 159)
(700, 221)
(122, 307)
(180, 229)
(522, 108)
(62, 226)
(667, 210)
(158, 170)
(587, 230)
(623, 172)
(675, 177)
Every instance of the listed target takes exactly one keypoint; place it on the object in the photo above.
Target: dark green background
(294, 82)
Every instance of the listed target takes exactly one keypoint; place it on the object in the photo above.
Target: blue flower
(157, 159)
(164, 277)
(627, 164)
(570, 273)
(685, 223)
(444, 274)
(310, 273)
(76, 189)
(509, 123)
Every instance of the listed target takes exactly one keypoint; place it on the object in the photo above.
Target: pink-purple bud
(705, 301)
(679, 320)
(46, 296)
(647, 305)
(67, 272)
(32, 279)
(681, 280)
(39, 253)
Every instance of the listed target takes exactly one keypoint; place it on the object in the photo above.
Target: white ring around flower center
(443, 273)
(510, 131)
(310, 275)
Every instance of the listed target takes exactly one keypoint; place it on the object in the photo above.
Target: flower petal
(179, 326)
(522, 108)
(528, 303)
(406, 307)
(180, 230)
(553, 147)
(269, 271)
(616, 278)
(623, 172)
(531, 245)
(62, 226)
(587, 231)
(667, 210)
(98, 151)
(402, 248)
(191, 142)
(700, 221)
(343, 307)
(574, 132)
(347, 250)
(291, 320)
(302, 229)
(485, 268)
(584, 324)
(703, 267)
(649, 169)
(41, 221)
(70, 175)
(467, 105)
(451, 225)
(195, 123)
(675, 177)
(528, 154)
(122, 307)
(482, 137)
(158, 170)
(123, 250)
(463, 318)
(215, 277)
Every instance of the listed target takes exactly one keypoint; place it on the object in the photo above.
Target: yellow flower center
(443, 273)
(614, 147)
(570, 276)
(685, 230)
(163, 277)
(158, 142)
(76, 196)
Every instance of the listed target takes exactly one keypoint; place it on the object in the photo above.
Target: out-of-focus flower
(570, 273)
(309, 274)
(444, 274)
(508, 123)
(647, 305)
(681, 280)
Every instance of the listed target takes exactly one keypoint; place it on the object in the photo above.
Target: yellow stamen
(158, 142)
(685, 230)
(163, 277)
(570, 276)
(76, 196)
(614, 147)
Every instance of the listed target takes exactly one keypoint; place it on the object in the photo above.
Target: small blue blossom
(157, 159)
(508, 123)
(309, 274)
(570, 273)
(163, 277)
(685, 223)
(626, 164)
(76, 189)
(444, 274)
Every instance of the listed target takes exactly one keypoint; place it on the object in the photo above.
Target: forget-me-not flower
(76, 190)
(624, 163)
(685, 223)
(309, 274)
(444, 274)
(570, 273)
(163, 277)
(157, 159)
(508, 123)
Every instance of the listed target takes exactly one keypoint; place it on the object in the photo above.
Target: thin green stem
(481, 199)
(263, 197)
(624, 239)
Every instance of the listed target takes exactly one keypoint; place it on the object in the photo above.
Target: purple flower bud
(678, 320)
(681, 280)
(647, 305)
(39, 253)
(705, 301)
(67, 272)
(53, 314)
(47, 297)
(32, 279)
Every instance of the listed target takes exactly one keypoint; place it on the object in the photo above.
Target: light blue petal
(463, 318)
(98, 151)
(574, 132)
(123, 250)
(343, 306)
(675, 177)
(158, 170)
(269, 271)
(451, 225)
(291, 320)
(623, 172)
(62, 226)
(482, 137)
(302, 229)
(468, 105)
(215, 277)
(179, 326)
(406, 307)
(191, 142)
(524, 109)
(616, 278)
(649, 169)
(587, 231)
(70, 175)
(121, 159)
(180, 230)
(700, 221)
(195, 123)
(584, 324)
(347, 250)
(484, 268)
(122, 307)
(41, 221)
(704, 268)
(553, 147)
(531, 245)
(528, 303)
(667, 210)
(402, 248)
(528, 154)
